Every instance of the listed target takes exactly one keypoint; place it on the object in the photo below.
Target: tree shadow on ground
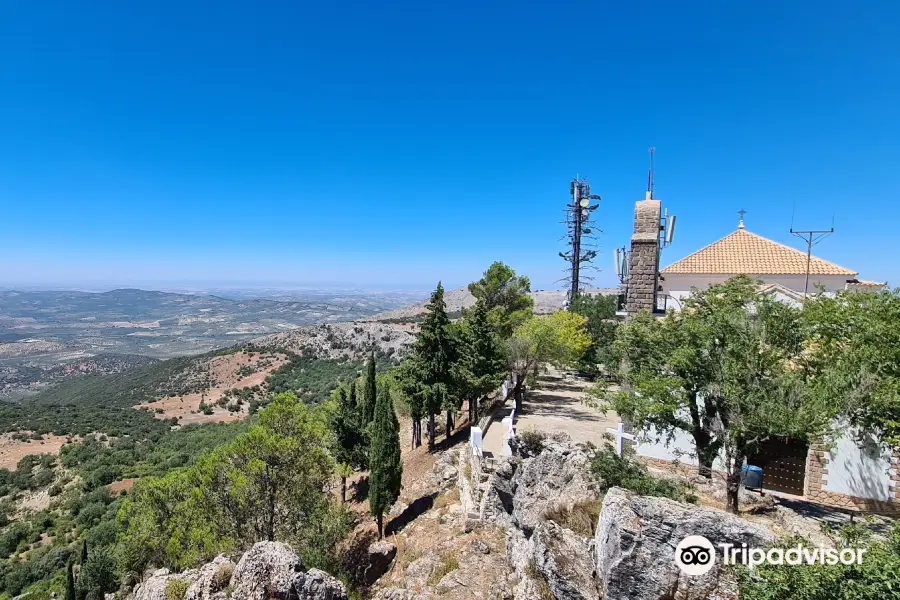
(547, 404)
(416, 508)
(359, 490)
(459, 435)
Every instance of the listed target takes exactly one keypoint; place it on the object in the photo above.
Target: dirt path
(556, 405)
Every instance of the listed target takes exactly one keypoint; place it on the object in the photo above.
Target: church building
(784, 271)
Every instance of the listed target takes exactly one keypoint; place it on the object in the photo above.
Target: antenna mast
(580, 235)
(811, 237)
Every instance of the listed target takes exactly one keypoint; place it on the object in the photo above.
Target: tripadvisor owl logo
(695, 555)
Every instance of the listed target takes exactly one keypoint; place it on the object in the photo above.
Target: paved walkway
(556, 405)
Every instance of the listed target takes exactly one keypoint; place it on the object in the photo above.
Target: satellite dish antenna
(584, 202)
(670, 229)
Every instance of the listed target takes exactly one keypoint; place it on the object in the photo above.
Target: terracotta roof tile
(743, 252)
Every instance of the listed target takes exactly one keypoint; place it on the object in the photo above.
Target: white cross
(620, 434)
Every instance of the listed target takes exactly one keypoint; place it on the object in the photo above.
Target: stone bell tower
(643, 260)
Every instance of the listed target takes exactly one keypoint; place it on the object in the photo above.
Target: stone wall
(643, 262)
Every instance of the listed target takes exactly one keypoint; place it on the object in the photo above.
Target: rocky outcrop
(316, 585)
(379, 559)
(557, 477)
(212, 578)
(154, 587)
(265, 571)
(635, 547)
(564, 561)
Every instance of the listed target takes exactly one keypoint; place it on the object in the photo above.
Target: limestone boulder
(379, 559)
(565, 562)
(154, 586)
(212, 578)
(557, 477)
(635, 547)
(265, 572)
(316, 585)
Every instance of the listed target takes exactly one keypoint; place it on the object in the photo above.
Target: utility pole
(811, 237)
(580, 232)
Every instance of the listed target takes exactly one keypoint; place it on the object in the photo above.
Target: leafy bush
(877, 578)
(528, 443)
(176, 588)
(626, 472)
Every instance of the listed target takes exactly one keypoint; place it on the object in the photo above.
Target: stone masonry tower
(643, 263)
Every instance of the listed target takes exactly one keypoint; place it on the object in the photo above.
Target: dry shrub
(222, 577)
(449, 563)
(581, 517)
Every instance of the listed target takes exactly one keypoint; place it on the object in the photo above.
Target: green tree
(600, 312)
(481, 359)
(505, 296)
(853, 349)
(559, 339)
(268, 483)
(386, 467)
(726, 369)
(70, 582)
(370, 391)
(431, 360)
(98, 575)
(350, 444)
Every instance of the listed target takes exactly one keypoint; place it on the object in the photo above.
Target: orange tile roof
(742, 252)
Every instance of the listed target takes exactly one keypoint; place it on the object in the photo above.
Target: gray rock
(401, 594)
(635, 547)
(211, 578)
(265, 572)
(480, 546)
(380, 558)
(497, 503)
(557, 477)
(316, 585)
(519, 551)
(565, 562)
(154, 587)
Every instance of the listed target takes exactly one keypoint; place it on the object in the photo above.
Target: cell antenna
(580, 236)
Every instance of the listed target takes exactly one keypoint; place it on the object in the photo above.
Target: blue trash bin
(752, 476)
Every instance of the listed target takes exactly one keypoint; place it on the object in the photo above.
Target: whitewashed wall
(852, 471)
(680, 448)
(861, 472)
(679, 286)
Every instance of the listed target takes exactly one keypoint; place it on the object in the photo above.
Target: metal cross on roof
(741, 212)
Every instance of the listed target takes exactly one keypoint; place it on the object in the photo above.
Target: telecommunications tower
(580, 235)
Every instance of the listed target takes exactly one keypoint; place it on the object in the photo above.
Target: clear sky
(387, 143)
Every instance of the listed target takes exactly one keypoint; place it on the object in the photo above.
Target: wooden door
(784, 465)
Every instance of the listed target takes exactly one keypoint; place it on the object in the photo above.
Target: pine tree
(70, 582)
(434, 353)
(386, 469)
(349, 434)
(482, 362)
(369, 391)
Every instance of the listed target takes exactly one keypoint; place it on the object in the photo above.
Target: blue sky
(386, 144)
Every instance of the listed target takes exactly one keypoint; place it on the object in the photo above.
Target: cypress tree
(433, 350)
(349, 434)
(70, 582)
(386, 469)
(370, 391)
